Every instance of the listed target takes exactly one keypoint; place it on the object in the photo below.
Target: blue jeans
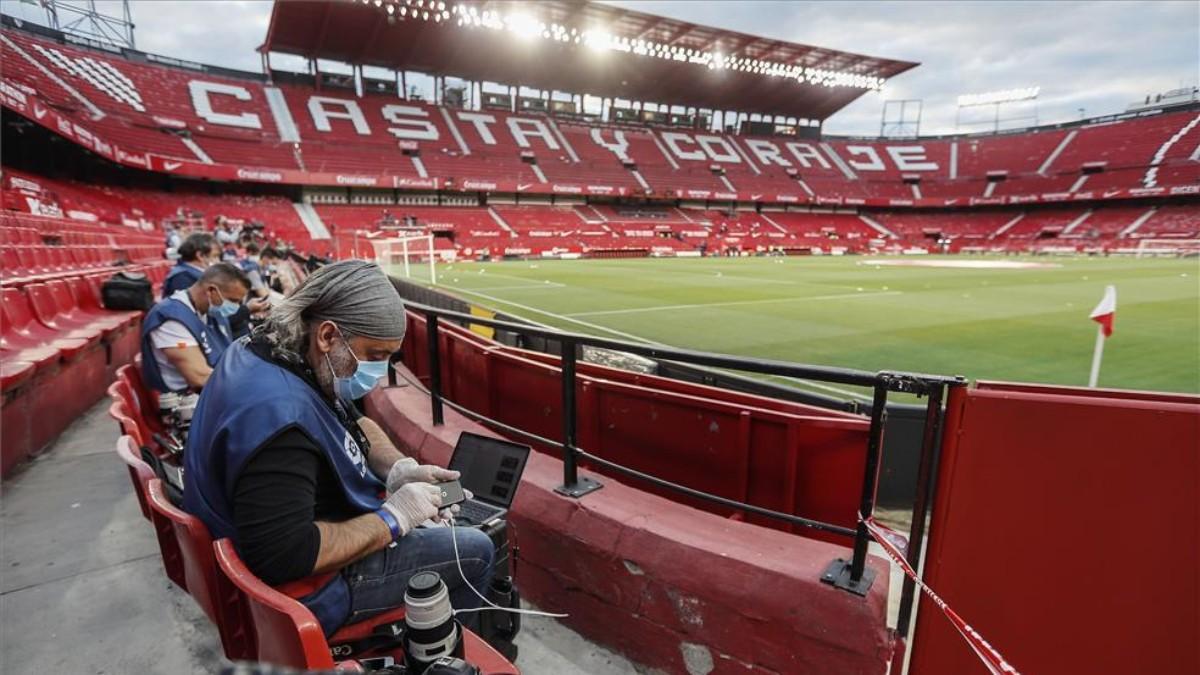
(377, 582)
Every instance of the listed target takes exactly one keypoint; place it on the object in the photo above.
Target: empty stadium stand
(214, 125)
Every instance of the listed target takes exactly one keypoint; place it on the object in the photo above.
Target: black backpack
(127, 290)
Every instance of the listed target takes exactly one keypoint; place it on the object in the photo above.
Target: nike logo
(171, 166)
(38, 111)
(523, 186)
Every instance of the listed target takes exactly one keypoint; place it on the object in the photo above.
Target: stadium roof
(579, 46)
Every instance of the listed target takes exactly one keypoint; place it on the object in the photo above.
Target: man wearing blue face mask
(184, 335)
(280, 461)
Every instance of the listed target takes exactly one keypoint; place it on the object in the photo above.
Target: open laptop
(491, 469)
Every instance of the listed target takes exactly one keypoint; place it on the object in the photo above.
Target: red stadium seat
(200, 573)
(140, 473)
(46, 310)
(23, 333)
(124, 411)
(84, 294)
(288, 634)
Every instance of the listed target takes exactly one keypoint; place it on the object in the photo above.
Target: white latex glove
(413, 504)
(407, 470)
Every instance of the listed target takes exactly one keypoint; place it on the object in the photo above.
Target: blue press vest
(181, 276)
(249, 266)
(247, 402)
(213, 337)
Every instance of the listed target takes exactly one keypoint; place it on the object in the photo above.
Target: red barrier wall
(1066, 531)
(775, 454)
(670, 586)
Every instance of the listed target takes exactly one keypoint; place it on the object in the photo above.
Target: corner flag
(1104, 314)
(1106, 310)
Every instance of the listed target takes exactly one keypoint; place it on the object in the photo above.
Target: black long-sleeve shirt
(282, 490)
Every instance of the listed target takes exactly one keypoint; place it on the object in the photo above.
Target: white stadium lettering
(873, 163)
(522, 128)
(618, 147)
(766, 152)
(202, 93)
(408, 128)
(321, 114)
(727, 154)
(803, 152)
(481, 122)
(674, 139)
(910, 158)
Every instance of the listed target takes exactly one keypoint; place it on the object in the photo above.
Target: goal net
(1168, 247)
(410, 257)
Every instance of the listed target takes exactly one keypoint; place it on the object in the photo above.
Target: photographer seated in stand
(196, 253)
(184, 335)
(280, 460)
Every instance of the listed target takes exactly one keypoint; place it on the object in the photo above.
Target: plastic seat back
(19, 313)
(120, 390)
(195, 548)
(285, 632)
(12, 265)
(140, 473)
(60, 293)
(44, 307)
(84, 295)
(144, 402)
(168, 543)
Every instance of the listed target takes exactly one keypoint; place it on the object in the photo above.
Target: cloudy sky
(1094, 56)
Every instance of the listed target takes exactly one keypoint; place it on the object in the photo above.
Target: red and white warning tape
(991, 658)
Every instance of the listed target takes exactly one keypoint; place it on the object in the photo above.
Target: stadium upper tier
(196, 123)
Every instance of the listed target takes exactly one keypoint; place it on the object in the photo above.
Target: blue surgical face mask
(225, 308)
(366, 375)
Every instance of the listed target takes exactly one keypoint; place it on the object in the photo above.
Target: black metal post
(573, 485)
(435, 368)
(392, 376)
(870, 476)
(570, 472)
(853, 575)
(921, 502)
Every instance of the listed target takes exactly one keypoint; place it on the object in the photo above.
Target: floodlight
(523, 25)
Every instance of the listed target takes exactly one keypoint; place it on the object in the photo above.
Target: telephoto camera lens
(432, 631)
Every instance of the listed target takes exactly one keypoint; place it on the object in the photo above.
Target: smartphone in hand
(452, 493)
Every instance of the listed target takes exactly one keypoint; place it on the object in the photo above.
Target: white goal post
(407, 252)
(1168, 247)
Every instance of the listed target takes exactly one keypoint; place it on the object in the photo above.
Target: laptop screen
(491, 468)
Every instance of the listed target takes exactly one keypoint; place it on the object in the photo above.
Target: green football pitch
(1010, 323)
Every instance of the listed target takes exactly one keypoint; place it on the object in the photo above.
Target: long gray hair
(354, 294)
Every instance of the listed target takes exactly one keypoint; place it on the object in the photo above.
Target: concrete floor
(82, 588)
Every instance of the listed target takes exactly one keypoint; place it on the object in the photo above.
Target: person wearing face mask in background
(196, 253)
(279, 459)
(184, 335)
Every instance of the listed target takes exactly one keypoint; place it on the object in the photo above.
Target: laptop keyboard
(476, 512)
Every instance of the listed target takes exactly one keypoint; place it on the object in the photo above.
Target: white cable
(491, 605)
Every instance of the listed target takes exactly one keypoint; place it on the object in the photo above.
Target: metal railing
(851, 575)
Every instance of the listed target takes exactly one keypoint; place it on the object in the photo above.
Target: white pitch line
(638, 338)
(526, 287)
(733, 303)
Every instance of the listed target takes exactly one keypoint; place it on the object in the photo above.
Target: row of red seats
(60, 348)
(255, 621)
